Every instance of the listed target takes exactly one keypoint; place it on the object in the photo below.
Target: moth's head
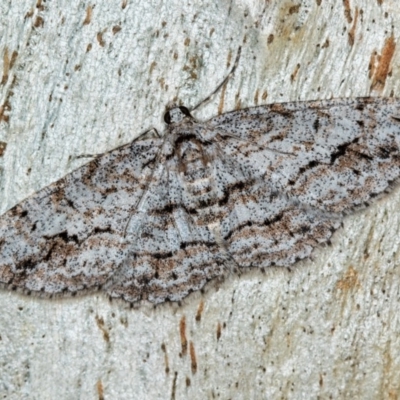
(176, 114)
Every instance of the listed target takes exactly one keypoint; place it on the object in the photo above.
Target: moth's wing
(171, 255)
(307, 164)
(69, 236)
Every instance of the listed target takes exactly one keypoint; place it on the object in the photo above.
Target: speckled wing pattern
(158, 218)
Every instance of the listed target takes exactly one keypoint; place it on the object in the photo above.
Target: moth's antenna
(235, 64)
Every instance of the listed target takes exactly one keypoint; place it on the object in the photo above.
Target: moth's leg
(149, 134)
(87, 156)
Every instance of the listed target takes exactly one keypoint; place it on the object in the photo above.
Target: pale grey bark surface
(80, 77)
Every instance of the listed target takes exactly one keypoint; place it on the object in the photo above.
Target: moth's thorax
(183, 128)
(190, 157)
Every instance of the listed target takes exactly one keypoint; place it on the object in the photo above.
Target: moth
(158, 218)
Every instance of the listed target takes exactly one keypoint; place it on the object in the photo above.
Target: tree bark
(79, 78)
